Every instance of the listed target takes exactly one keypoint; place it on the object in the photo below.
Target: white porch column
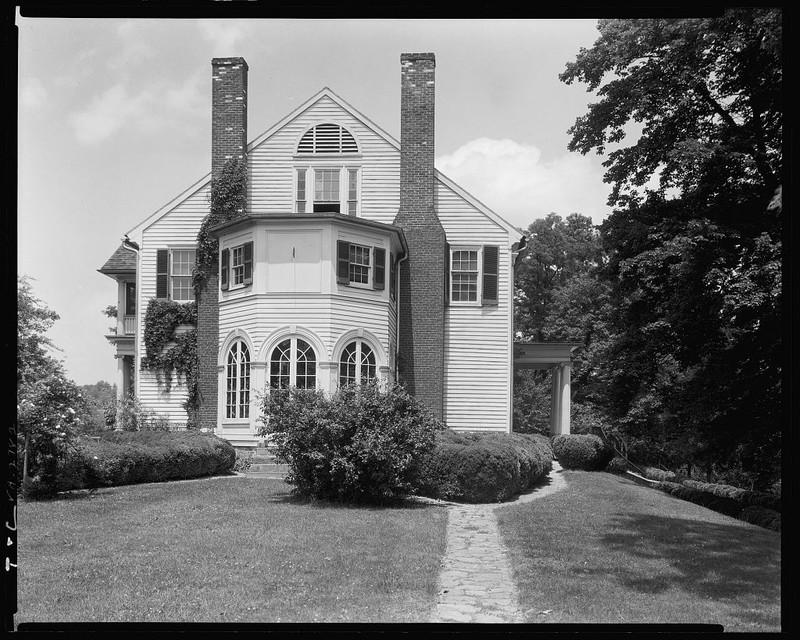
(555, 401)
(120, 390)
(564, 380)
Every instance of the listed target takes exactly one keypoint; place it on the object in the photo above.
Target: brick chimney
(422, 276)
(228, 141)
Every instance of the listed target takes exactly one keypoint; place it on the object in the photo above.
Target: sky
(115, 121)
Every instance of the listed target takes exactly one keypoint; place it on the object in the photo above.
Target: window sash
(464, 275)
(326, 185)
(237, 265)
(293, 362)
(181, 265)
(360, 264)
(237, 389)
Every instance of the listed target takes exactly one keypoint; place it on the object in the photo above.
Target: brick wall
(228, 140)
(422, 276)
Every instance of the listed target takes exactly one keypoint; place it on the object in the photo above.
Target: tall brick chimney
(228, 141)
(422, 276)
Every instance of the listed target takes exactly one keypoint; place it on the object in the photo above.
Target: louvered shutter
(224, 271)
(379, 278)
(392, 276)
(162, 274)
(491, 256)
(247, 249)
(343, 262)
(447, 272)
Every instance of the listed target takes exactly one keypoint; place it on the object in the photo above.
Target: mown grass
(607, 550)
(224, 550)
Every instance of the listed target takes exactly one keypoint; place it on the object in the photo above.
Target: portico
(556, 356)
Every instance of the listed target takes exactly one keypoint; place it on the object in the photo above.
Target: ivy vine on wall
(167, 353)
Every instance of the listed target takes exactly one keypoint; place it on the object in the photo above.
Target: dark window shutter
(343, 262)
(224, 269)
(248, 262)
(491, 256)
(446, 272)
(379, 277)
(162, 274)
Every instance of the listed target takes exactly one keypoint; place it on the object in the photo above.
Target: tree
(48, 403)
(691, 371)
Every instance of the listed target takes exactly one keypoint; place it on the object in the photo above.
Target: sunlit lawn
(607, 550)
(227, 550)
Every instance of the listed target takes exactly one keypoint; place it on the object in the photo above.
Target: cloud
(133, 47)
(160, 108)
(223, 35)
(511, 179)
(33, 94)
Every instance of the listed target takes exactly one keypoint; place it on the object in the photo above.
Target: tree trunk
(25, 465)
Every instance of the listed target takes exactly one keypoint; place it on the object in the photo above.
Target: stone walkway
(476, 582)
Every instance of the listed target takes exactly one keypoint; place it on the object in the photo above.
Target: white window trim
(231, 285)
(321, 163)
(467, 303)
(237, 406)
(170, 275)
(370, 268)
(293, 360)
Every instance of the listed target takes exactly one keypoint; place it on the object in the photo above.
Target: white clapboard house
(355, 259)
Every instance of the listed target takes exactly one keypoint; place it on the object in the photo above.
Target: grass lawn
(228, 549)
(607, 550)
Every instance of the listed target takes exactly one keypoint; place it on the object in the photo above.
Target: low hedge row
(484, 467)
(725, 505)
(132, 457)
(652, 473)
(583, 451)
(748, 498)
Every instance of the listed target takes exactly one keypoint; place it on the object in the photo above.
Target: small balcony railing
(129, 325)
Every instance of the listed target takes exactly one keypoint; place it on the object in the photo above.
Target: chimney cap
(229, 61)
(415, 57)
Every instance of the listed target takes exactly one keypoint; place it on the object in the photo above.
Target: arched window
(237, 374)
(357, 364)
(293, 363)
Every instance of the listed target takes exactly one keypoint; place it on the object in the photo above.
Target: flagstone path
(476, 582)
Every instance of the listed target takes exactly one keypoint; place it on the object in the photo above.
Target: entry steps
(264, 464)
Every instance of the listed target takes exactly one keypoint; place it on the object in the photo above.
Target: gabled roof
(328, 93)
(123, 260)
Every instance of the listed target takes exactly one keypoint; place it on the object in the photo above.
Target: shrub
(485, 467)
(581, 451)
(720, 504)
(618, 464)
(360, 445)
(652, 473)
(762, 517)
(125, 457)
(244, 459)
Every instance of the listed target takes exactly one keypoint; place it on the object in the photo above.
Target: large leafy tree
(48, 403)
(692, 368)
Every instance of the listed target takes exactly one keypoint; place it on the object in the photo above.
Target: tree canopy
(691, 367)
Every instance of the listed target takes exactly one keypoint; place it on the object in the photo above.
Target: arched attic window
(327, 138)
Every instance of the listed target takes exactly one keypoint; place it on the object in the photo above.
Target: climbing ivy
(228, 200)
(168, 354)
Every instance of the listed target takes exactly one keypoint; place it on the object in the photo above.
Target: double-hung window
(174, 274)
(237, 379)
(236, 267)
(473, 275)
(360, 265)
(326, 179)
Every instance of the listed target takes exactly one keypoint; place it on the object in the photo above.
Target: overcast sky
(115, 121)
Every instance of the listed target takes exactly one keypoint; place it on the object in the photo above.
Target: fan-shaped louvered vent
(327, 138)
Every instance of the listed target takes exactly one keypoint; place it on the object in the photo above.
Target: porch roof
(543, 355)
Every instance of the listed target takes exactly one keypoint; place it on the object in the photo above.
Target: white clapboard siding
(178, 228)
(327, 318)
(271, 164)
(477, 374)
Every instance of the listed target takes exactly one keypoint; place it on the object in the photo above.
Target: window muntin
(357, 364)
(326, 190)
(293, 363)
(360, 264)
(237, 376)
(352, 192)
(301, 191)
(181, 265)
(464, 275)
(237, 265)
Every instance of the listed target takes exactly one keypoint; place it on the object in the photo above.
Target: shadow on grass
(709, 560)
(405, 504)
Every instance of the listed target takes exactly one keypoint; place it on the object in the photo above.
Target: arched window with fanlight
(237, 376)
(293, 363)
(356, 364)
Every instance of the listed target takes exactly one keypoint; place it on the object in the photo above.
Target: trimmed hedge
(581, 451)
(132, 457)
(618, 465)
(762, 517)
(484, 467)
(652, 473)
(748, 498)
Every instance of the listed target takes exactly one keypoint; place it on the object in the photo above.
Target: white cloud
(33, 94)
(512, 180)
(134, 45)
(223, 35)
(160, 108)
